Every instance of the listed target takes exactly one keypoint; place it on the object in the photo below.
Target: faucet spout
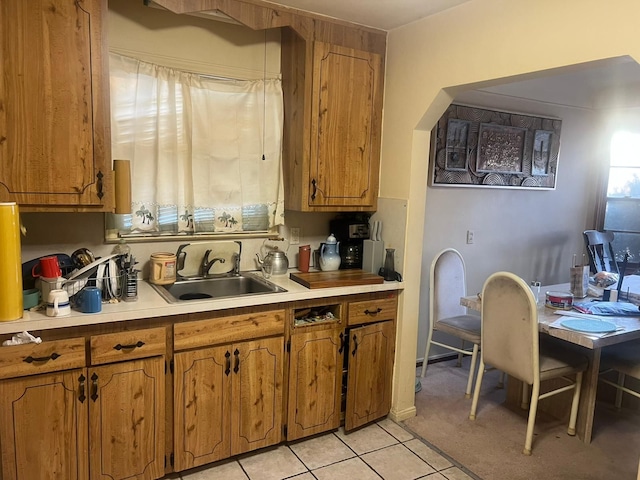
(206, 264)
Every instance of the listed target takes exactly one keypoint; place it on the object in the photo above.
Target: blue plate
(589, 326)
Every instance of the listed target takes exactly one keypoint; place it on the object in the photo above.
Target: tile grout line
(441, 453)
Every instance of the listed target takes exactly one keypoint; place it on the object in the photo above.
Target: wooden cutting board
(338, 278)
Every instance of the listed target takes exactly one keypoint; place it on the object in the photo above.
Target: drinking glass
(266, 270)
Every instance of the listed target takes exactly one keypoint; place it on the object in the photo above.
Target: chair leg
(574, 405)
(426, 352)
(501, 380)
(472, 370)
(524, 401)
(619, 392)
(533, 410)
(459, 362)
(476, 391)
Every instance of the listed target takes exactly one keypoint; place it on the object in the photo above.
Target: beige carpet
(491, 446)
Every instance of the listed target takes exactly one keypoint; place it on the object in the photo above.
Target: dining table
(589, 344)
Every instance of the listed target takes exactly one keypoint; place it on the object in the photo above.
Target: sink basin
(213, 288)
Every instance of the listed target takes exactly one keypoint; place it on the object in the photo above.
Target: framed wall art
(488, 148)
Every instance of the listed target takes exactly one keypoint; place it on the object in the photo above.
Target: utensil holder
(131, 286)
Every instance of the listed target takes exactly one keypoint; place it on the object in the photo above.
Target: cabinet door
(126, 415)
(202, 403)
(43, 426)
(345, 127)
(371, 350)
(53, 149)
(256, 392)
(315, 380)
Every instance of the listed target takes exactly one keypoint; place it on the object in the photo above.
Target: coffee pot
(277, 260)
(329, 256)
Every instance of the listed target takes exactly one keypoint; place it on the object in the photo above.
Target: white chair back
(510, 327)
(447, 285)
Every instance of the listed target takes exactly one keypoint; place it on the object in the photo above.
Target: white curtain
(206, 153)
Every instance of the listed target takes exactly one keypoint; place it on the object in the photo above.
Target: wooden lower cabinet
(227, 400)
(315, 381)
(126, 412)
(369, 372)
(43, 426)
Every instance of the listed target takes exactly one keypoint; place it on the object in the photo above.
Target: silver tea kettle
(278, 261)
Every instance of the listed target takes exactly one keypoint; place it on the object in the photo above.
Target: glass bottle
(389, 267)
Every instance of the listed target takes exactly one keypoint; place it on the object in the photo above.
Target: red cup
(304, 255)
(47, 267)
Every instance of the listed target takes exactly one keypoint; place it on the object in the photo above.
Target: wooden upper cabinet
(54, 130)
(333, 120)
(345, 127)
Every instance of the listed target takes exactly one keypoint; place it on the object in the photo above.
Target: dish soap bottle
(329, 256)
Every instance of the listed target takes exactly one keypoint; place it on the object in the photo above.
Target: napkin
(22, 338)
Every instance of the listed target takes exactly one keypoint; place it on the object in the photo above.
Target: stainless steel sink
(217, 287)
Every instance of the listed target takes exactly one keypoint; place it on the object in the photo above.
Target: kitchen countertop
(150, 304)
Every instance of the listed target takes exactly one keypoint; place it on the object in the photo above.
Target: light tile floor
(381, 450)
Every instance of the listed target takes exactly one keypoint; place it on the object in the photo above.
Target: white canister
(162, 268)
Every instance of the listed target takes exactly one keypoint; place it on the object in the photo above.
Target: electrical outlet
(470, 236)
(294, 233)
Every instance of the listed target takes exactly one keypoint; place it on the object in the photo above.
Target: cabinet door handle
(139, 344)
(372, 312)
(99, 184)
(94, 386)
(227, 363)
(81, 395)
(31, 359)
(313, 193)
(236, 367)
(341, 343)
(355, 345)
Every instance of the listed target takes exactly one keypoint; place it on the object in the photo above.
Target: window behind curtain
(622, 213)
(205, 152)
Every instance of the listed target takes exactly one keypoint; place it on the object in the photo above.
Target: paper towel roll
(10, 263)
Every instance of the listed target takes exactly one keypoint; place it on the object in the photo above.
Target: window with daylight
(622, 210)
(205, 151)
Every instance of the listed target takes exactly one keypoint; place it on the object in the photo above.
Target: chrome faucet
(206, 264)
(236, 264)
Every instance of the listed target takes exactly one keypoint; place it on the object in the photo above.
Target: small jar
(535, 289)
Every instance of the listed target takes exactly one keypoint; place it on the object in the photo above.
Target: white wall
(476, 44)
(533, 234)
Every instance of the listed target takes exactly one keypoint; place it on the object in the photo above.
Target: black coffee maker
(351, 230)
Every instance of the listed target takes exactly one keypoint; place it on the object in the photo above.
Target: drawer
(368, 311)
(32, 359)
(216, 331)
(129, 345)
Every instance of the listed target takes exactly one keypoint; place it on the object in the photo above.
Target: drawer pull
(129, 347)
(31, 359)
(94, 387)
(355, 346)
(227, 363)
(374, 312)
(81, 395)
(237, 364)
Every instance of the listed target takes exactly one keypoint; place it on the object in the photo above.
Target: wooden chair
(511, 343)
(447, 285)
(601, 255)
